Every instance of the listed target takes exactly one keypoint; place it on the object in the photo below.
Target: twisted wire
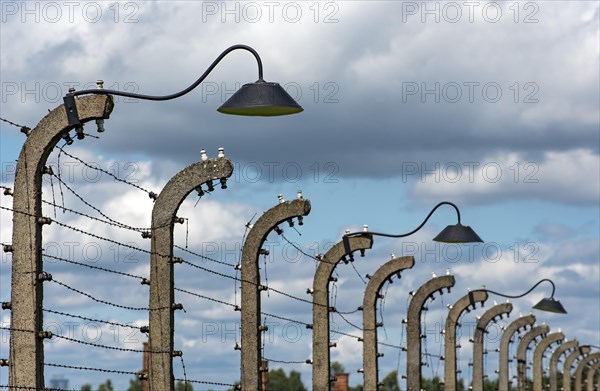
(91, 319)
(104, 301)
(90, 369)
(92, 266)
(150, 193)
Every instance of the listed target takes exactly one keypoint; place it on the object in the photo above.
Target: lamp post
(548, 304)
(260, 98)
(457, 233)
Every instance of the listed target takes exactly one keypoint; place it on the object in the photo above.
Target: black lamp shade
(550, 305)
(457, 234)
(261, 99)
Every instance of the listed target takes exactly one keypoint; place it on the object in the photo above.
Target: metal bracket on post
(71, 109)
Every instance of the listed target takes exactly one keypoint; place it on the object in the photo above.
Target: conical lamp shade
(550, 305)
(261, 99)
(457, 234)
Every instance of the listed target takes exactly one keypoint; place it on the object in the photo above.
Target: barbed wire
(210, 383)
(92, 266)
(150, 193)
(104, 301)
(24, 129)
(185, 382)
(51, 335)
(205, 297)
(301, 251)
(91, 369)
(93, 320)
(111, 222)
(203, 256)
(287, 362)
(285, 318)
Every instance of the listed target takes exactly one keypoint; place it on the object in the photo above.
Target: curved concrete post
(538, 357)
(370, 354)
(522, 353)
(511, 329)
(589, 382)
(470, 299)
(413, 327)
(582, 351)
(320, 342)
(160, 376)
(564, 347)
(478, 336)
(26, 360)
(582, 364)
(251, 355)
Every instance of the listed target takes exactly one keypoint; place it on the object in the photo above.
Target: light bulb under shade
(457, 233)
(549, 304)
(261, 99)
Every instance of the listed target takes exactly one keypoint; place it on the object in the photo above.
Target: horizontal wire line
(104, 171)
(92, 266)
(90, 319)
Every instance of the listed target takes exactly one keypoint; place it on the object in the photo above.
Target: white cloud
(565, 177)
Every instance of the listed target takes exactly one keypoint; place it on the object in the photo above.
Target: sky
(493, 106)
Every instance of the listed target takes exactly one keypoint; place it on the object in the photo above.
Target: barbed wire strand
(150, 193)
(92, 266)
(87, 343)
(107, 302)
(24, 129)
(91, 319)
(91, 369)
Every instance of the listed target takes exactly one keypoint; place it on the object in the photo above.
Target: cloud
(569, 177)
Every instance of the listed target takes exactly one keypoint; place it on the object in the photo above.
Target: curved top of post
(463, 304)
(522, 322)
(54, 125)
(528, 337)
(382, 274)
(335, 255)
(545, 343)
(183, 183)
(427, 290)
(489, 315)
(270, 219)
(571, 357)
(560, 350)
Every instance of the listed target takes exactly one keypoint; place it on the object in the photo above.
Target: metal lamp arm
(519, 296)
(71, 108)
(414, 230)
(185, 91)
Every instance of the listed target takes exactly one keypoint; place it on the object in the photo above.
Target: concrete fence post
(413, 327)
(538, 358)
(581, 352)
(450, 370)
(162, 278)
(251, 287)
(580, 367)
(522, 353)
(478, 338)
(321, 308)
(370, 353)
(503, 360)
(593, 370)
(560, 350)
(26, 357)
